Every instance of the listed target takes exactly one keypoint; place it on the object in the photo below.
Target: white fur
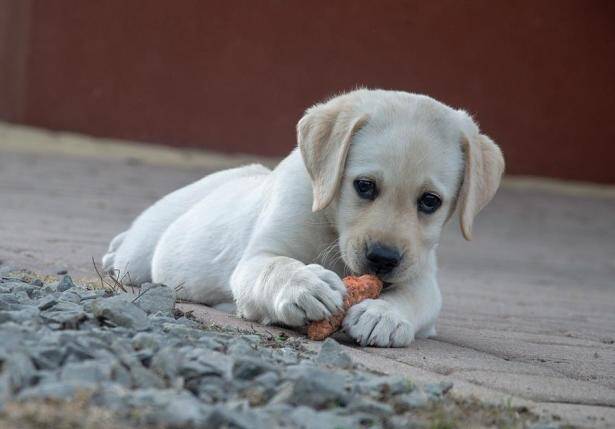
(276, 243)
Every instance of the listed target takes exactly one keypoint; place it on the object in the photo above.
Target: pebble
(65, 283)
(154, 298)
(332, 354)
(119, 312)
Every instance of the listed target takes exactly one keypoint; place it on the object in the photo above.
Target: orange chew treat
(358, 289)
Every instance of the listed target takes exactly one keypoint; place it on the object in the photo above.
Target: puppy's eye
(429, 203)
(366, 189)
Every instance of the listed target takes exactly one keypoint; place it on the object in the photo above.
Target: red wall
(236, 75)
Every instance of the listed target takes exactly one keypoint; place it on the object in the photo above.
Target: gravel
(149, 364)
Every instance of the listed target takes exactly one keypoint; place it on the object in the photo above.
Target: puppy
(375, 177)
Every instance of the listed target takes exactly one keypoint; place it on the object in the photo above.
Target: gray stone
(145, 379)
(23, 288)
(90, 371)
(221, 416)
(248, 368)
(212, 389)
(119, 374)
(371, 407)
(415, 399)
(67, 314)
(240, 347)
(20, 369)
(47, 357)
(37, 283)
(45, 376)
(307, 418)
(437, 390)
(192, 414)
(269, 380)
(46, 302)
(210, 343)
(316, 388)
(165, 363)
(65, 283)
(155, 298)
(19, 316)
(86, 294)
(168, 407)
(333, 354)
(118, 312)
(545, 425)
(384, 385)
(55, 391)
(181, 331)
(146, 340)
(9, 298)
(70, 296)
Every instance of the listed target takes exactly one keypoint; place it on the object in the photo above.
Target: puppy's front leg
(400, 314)
(279, 289)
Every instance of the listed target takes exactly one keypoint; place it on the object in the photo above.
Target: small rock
(307, 418)
(70, 296)
(545, 425)
(54, 390)
(61, 272)
(248, 368)
(19, 316)
(155, 298)
(90, 371)
(117, 311)
(20, 370)
(67, 314)
(145, 340)
(37, 283)
(438, 390)
(145, 379)
(171, 408)
(47, 302)
(333, 354)
(47, 357)
(23, 288)
(181, 331)
(384, 386)
(223, 417)
(165, 363)
(317, 388)
(415, 399)
(371, 407)
(65, 283)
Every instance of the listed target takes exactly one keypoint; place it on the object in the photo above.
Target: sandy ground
(529, 305)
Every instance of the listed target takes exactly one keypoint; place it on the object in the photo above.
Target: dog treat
(357, 290)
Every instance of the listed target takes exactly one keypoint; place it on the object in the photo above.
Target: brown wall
(236, 75)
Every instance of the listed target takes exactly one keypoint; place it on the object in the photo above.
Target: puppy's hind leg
(109, 259)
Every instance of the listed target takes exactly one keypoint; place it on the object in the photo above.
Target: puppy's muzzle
(382, 259)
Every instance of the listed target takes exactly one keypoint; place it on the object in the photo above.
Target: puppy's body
(277, 242)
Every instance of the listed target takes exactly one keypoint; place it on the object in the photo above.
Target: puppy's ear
(324, 134)
(484, 166)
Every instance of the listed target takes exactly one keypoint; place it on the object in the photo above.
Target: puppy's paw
(374, 323)
(312, 293)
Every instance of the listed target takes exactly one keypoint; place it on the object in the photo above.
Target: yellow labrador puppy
(375, 177)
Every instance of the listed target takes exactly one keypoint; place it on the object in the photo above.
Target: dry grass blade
(115, 283)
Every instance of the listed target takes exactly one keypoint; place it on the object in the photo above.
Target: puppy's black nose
(382, 259)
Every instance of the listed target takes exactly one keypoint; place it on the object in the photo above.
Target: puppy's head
(390, 168)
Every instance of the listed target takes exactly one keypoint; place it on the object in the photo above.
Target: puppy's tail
(109, 259)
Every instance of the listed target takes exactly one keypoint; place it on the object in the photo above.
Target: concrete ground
(529, 305)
